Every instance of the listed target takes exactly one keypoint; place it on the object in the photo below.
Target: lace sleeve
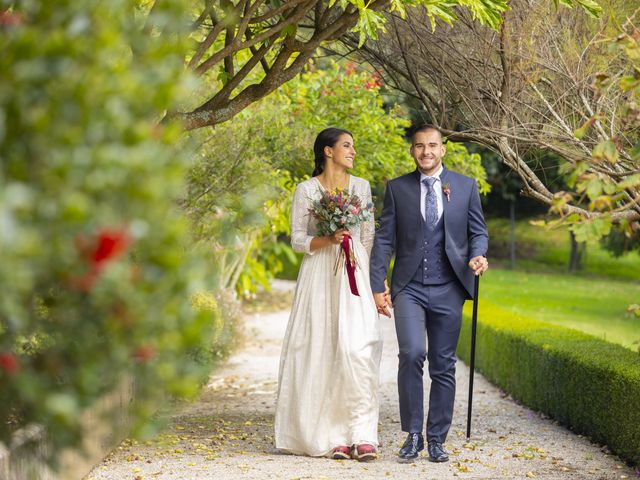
(300, 239)
(367, 230)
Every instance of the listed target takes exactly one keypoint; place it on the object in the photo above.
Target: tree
(96, 273)
(248, 48)
(249, 165)
(546, 81)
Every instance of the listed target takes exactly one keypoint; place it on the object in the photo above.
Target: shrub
(95, 272)
(588, 384)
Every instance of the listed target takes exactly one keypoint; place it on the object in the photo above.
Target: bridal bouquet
(339, 209)
(336, 210)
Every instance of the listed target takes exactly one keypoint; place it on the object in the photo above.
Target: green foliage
(606, 194)
(547, 250)
(487, 12)
(351, 100)
(231, 195)
(589, 6)
(243, 183)
(460, 160)
(328, 95)
(619, 244)
(94, 275)
(246, 50)
(585, 383)
(224, 310)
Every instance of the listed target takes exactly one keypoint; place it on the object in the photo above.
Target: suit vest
(434, 269)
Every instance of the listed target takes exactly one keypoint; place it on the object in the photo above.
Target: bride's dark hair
(326, 138)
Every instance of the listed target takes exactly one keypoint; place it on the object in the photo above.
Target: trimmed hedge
(588, 384)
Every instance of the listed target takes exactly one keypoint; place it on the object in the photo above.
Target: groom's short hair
(425, 127)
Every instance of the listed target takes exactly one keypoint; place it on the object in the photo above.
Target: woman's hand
(328, 240)
(337, 237)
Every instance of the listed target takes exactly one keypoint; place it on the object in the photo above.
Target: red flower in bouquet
(339, 209)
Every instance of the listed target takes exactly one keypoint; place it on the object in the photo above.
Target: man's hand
(387, 293)
(381, 303)
(479, 265)
(383, 300)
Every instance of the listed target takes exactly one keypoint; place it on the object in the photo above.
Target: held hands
(479, 265)
(383, 301)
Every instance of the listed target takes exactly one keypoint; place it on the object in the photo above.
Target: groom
(432, 220)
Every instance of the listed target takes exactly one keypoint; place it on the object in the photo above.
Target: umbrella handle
(472, 355)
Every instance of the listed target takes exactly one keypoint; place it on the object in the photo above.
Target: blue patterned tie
(430, 203)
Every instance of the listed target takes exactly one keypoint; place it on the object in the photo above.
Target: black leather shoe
(437, 452)
(412, 447)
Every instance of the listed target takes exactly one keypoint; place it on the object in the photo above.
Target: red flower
(375, 82)
(111, 244)
(350, 69)
(144, 353)
(9, 363)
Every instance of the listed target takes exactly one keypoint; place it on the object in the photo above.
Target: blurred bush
(97, 267)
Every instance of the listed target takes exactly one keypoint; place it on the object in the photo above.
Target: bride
(328, 383)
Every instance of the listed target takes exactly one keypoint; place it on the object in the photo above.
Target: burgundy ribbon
(350, 263)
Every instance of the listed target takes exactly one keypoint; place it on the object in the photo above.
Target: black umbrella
(474, 324)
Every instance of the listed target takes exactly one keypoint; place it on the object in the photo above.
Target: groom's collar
(443, 174)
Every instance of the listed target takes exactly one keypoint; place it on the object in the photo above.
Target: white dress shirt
(437, 188)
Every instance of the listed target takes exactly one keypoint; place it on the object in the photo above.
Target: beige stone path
(228, 434)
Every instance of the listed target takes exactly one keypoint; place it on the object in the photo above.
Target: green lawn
(594, 306)
(542, 250)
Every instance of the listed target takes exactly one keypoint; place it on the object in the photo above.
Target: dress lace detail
(330, 361)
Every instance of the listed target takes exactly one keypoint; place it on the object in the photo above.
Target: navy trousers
(428, 320)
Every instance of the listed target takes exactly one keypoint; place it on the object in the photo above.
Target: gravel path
(228, 432)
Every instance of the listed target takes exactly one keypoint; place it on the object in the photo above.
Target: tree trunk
(576, 255)
(512, 233)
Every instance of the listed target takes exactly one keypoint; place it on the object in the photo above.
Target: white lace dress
(329, 367)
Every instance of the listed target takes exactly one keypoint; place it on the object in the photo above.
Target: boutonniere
(446, 189)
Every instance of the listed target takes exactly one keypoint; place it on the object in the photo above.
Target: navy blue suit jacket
(400, 230)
